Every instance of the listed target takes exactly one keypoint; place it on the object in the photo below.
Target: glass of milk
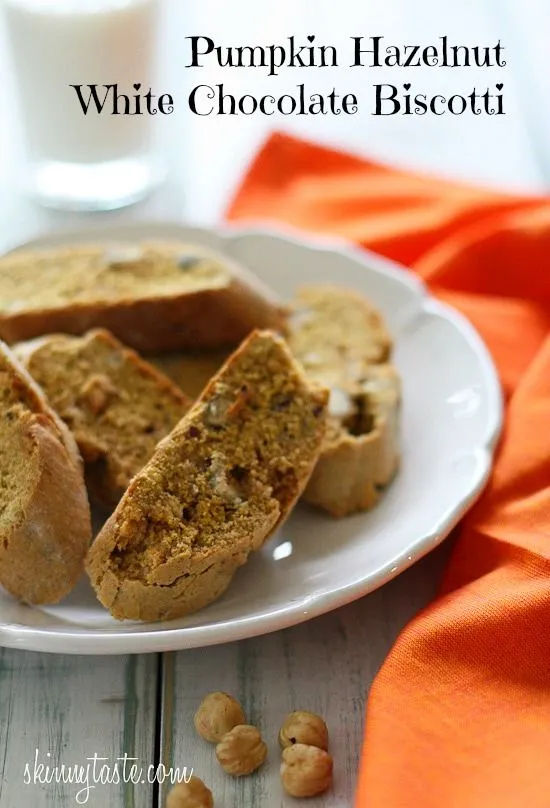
(98, 160)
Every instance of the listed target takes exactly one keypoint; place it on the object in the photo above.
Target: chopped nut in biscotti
(220, 484)
(243, 395)
(96, 392)
(221, 408)
(216, 411)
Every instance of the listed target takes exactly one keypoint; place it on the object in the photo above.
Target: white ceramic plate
(451, 420)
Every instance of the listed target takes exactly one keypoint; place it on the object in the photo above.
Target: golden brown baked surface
(152, 296)
(336, 333)
(215, 488)
(44, 514)
(342, 342)
(116, 405)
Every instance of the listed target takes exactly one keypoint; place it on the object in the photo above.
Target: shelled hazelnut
(193, 794)
(304, 727)
(241, 751)
(217, 714)
(306, 770)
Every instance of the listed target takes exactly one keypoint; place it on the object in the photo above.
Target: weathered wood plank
(325, 665)
(72, 708)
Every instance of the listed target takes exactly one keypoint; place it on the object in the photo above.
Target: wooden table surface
(75, 707)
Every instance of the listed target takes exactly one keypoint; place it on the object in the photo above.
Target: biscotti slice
(191, 370)
(360, 454)
(45, 525)
(117, 406)
(153, 296)
(214, 490)
(341, 341)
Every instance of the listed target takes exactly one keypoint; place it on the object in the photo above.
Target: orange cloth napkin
(459, 715)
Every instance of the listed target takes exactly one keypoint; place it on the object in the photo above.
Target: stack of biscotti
(341, 341)
(215, 489)
(45, 525)
(289, 402)
(109, 403)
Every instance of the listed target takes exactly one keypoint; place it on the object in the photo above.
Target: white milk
(56, 43)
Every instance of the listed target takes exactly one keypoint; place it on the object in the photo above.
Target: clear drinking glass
(96, 161)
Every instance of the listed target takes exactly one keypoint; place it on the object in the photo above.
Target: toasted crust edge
(42, 557)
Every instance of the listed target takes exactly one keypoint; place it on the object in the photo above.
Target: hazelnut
(216, 411)
(193, 794)
(241, 751)
(225, 490)
(306, 770)
(217, 714)
(303, 727)
(97, 392)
